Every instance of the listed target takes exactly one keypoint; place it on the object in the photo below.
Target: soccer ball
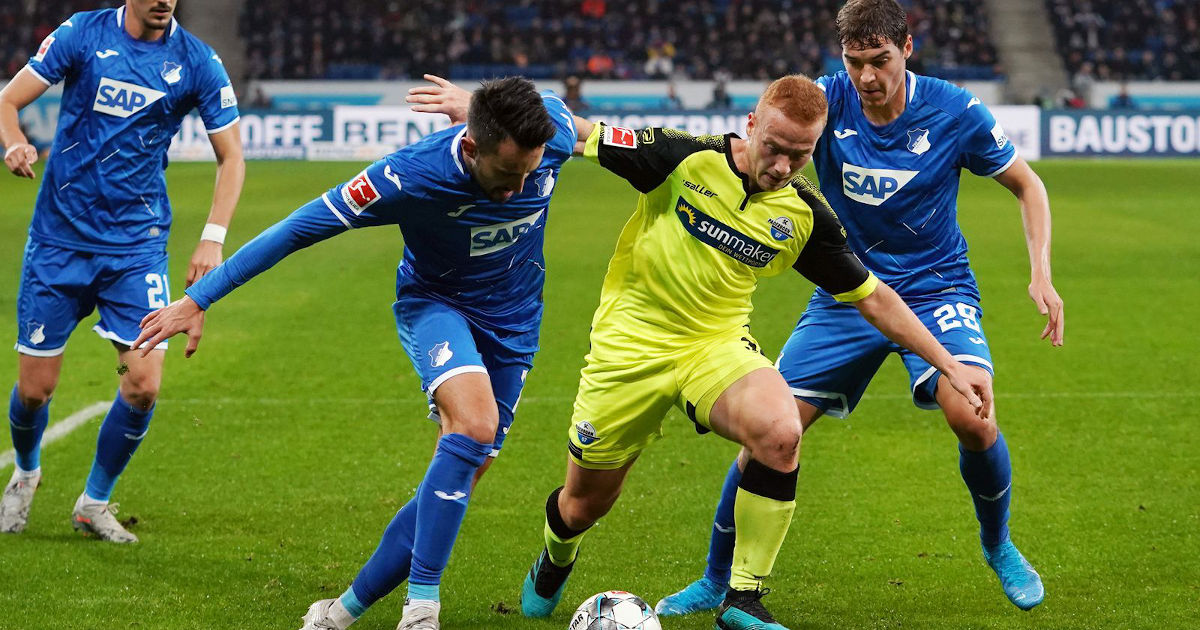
(614, 610)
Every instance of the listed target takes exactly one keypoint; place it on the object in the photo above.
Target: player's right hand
(974, 384)
(181, 316)
(443, 97)
(19, 158)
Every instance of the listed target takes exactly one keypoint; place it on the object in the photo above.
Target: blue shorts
(834, 353)
(59, 287)
(441, 342)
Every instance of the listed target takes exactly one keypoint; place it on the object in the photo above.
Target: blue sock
(27, 426)
(120, 435)
(441, 505)
(720, 546)
(352, 604)
(388, 566)
(989, 478)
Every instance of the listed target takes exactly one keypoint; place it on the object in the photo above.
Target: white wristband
(213, 232)
(13, 148)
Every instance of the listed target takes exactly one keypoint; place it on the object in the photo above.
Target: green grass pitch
(281, 450)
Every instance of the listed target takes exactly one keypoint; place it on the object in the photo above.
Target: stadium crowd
(1128, 40)
(744, 39)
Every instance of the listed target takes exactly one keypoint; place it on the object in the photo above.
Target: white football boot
(97, 518)
(18, 496)
(327, 614)
(420, 614)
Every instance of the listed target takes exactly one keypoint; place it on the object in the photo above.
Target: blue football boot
(1021, 583)
(543, 586)
(703, 594)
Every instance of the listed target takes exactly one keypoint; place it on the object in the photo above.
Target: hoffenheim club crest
(172, 72)
(918, 141)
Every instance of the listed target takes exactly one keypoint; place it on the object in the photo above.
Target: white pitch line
(62, 427)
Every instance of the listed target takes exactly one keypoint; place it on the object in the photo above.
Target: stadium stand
(748, 39)
(1128, 40)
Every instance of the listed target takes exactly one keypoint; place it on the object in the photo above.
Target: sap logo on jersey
(122, 99)
(486, 239)
(873, 186)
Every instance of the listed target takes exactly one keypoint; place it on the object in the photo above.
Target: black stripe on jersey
(826, 259)
(658, 153)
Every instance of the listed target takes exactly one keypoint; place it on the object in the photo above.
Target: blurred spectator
(573, 94)
(258, 99)
(672, 100)
(1123, 100)
(720, 97)
(1126, 40)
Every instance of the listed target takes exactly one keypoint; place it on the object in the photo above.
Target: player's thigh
(712, 366)
(831, 357)
(130, 287)
(508, 371)
(440, 345)
(957, 323)
(619, 409)
(57, 290)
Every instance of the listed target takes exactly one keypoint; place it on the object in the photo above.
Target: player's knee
(140, 393)
(974, 433)
(778, 447)
(481, 428)
(34, 396)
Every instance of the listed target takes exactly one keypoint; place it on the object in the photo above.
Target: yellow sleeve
(865, 289)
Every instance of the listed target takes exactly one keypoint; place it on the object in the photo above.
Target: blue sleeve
(982, 145)
(562, 145)
(309, 224)
(215, 98)
(375, 195)
(59, 54)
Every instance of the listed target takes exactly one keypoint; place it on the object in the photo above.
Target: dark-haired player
(98, 239)
(889, 164)
(471, 202)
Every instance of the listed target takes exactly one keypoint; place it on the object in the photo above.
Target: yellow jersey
(688, 260)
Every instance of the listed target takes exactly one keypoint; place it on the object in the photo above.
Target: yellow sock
(762, 524)
(562, 551)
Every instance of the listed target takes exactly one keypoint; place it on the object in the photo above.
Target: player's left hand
(206, 258)
(975, 385)
(181, 316)
(1042, 292)
(443, 97)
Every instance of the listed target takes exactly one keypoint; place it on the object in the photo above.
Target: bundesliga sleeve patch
(44, 48)
(360, 193)
(620, 137)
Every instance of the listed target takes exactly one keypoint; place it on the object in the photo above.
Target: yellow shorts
(625, 392)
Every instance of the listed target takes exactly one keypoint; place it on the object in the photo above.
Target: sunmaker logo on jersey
(723, 238)
(873, 186)
(486, 239)
(121, 99)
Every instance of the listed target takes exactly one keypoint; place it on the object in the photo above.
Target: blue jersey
(104, 189)
(482, 257)
(895, 187)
